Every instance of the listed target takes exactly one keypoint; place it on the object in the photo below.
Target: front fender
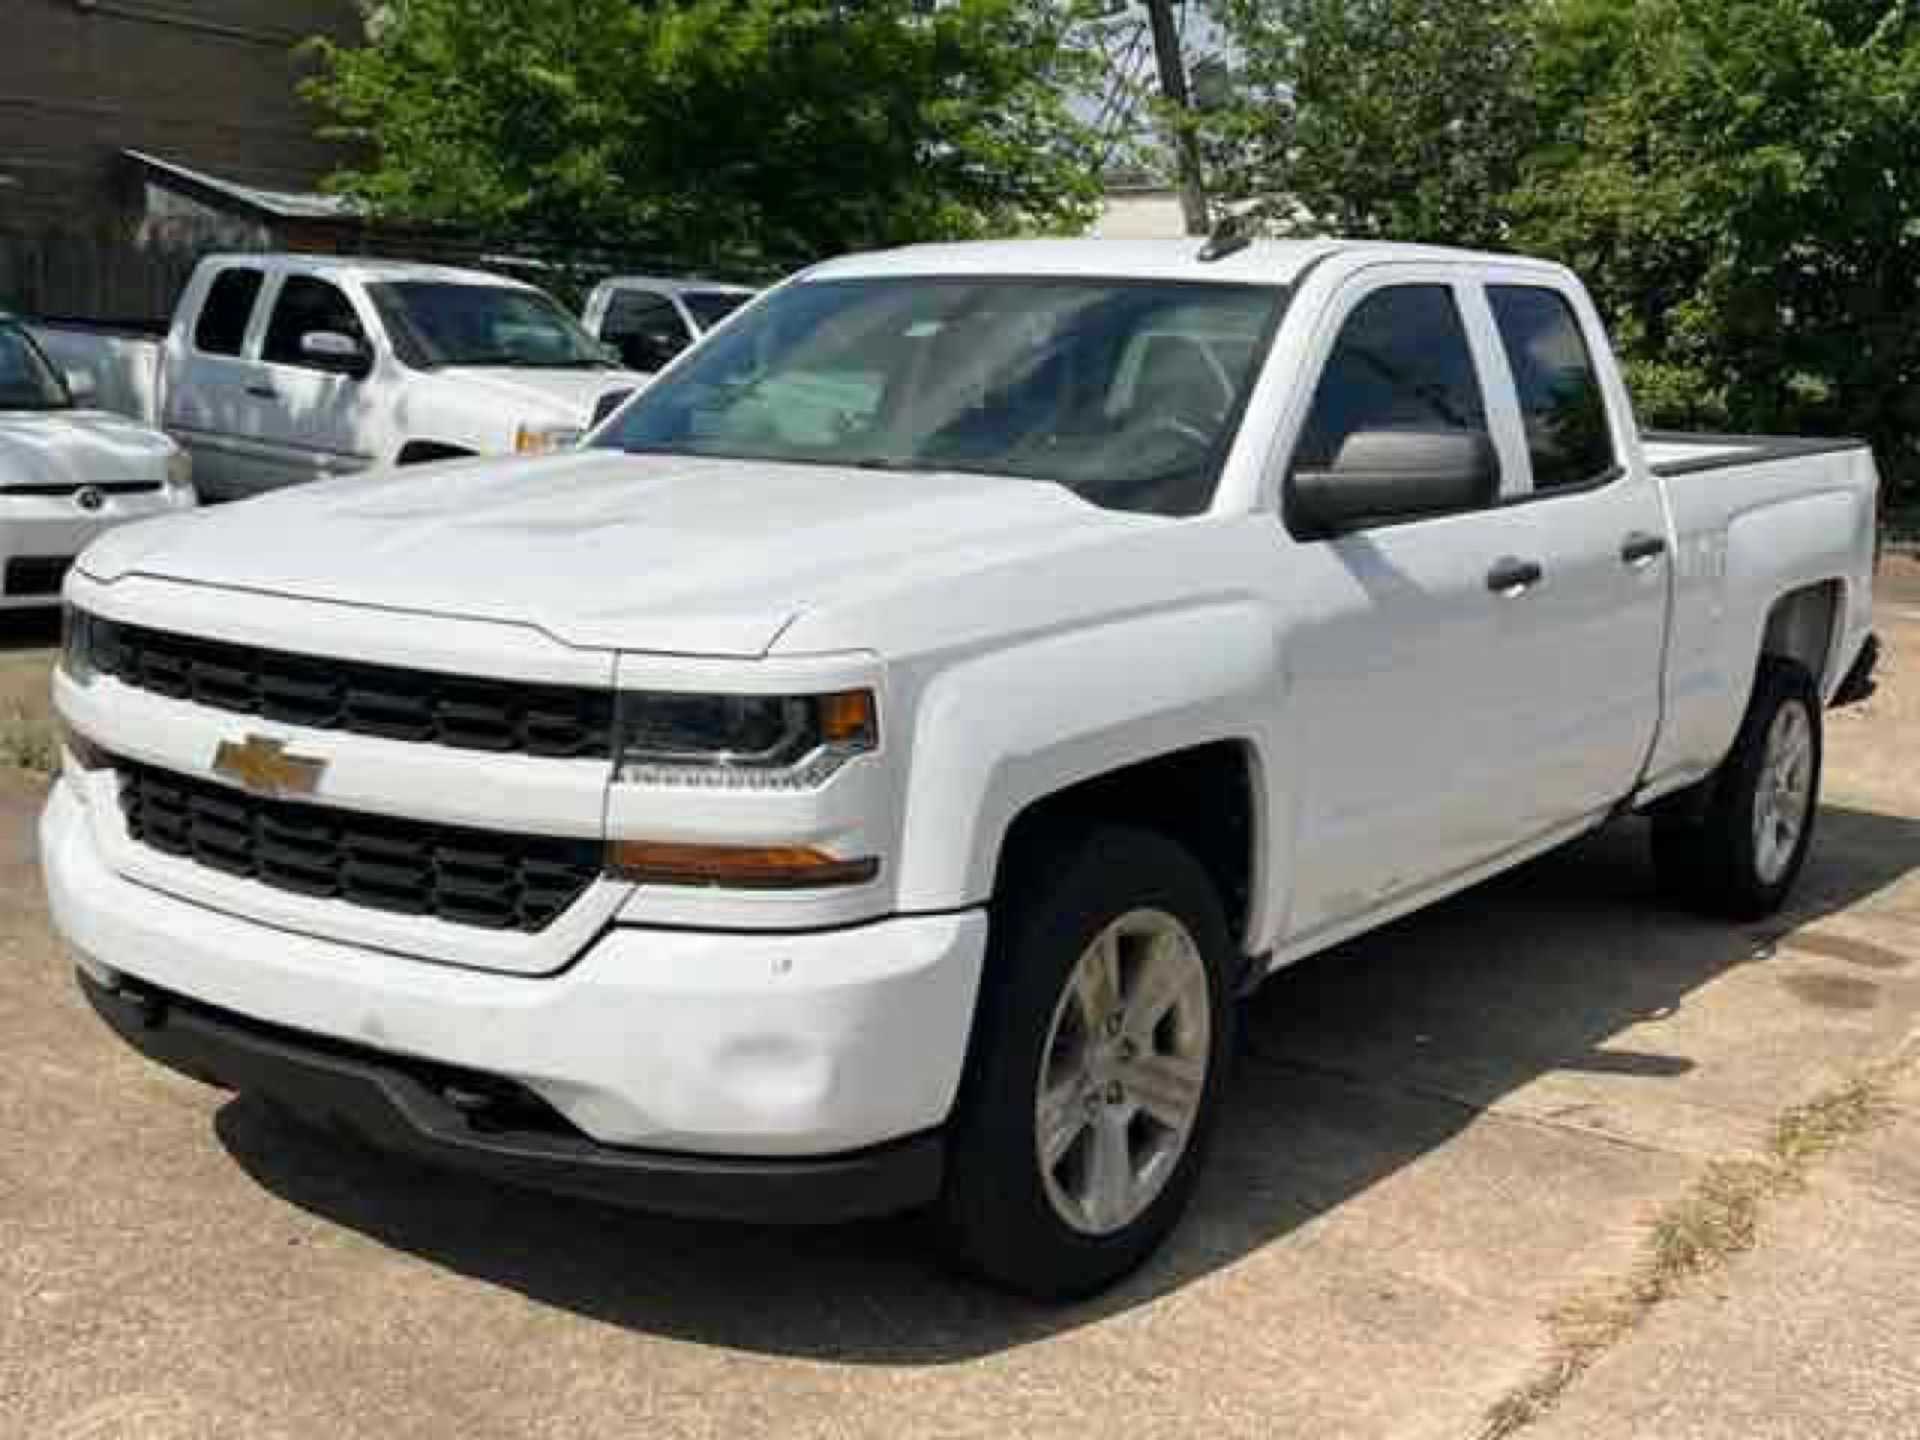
(996, 732)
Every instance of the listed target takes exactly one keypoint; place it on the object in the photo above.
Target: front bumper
(46, 528)
(404, 1108)
(695, 1045)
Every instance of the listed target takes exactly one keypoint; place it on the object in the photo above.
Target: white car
(864, 776)
(279, 369)
(68, 472)
(649, 320)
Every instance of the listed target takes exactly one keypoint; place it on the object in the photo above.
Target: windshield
(439, 322)
(1126, 392)
(710, 307)
(27, 381)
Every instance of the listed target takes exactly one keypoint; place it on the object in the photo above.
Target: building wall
(1140, 215)
(206, 83)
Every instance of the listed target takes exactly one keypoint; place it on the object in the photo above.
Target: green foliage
(716, 132)
(1737, 180)
(1374, 118)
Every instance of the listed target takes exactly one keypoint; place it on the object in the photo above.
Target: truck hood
(71, 448)
(565, 395)
(598, 548)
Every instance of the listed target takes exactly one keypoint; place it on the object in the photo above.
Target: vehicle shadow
(1529, 974)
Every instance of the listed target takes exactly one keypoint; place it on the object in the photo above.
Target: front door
(311, 421)
(1404, 690)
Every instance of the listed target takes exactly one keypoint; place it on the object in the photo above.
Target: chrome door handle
(262, 391)
(1511, 576)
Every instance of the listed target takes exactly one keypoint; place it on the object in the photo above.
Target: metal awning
(252, 199)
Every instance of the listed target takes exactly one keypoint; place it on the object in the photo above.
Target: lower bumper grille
(452, 873)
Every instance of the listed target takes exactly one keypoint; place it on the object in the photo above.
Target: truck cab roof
(1264, 262)
(361, 268)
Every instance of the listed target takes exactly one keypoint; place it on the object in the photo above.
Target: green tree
(1373, 118)
(716, 132)
(1739, 181)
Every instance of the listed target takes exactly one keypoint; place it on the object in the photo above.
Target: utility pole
(1173, 86)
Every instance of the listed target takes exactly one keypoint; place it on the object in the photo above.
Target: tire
(1001, 1216)
(1711, 851)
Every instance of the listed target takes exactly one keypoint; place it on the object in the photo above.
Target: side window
(1560, 399)
(222, 325)
(305, 306)
(1401, 362)
(645, 328)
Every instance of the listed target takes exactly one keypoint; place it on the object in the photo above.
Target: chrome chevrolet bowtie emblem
(263, 765)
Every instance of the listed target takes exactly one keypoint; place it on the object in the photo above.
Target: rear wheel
(1097, 1064)
(1735, 846)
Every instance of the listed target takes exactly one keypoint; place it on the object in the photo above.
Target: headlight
(545, 439)
(757, 742)
(76, 643)
(180, 470)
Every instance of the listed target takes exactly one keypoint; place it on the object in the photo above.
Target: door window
(307, 306)
(645, 328)
(1560, 399)
(222, 325)
(1402, 362)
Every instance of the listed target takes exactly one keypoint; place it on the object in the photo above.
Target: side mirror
(611, 401)
(82, 386)
(331, 351)
(1385, 475)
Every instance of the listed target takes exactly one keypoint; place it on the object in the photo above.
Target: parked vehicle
(68, 471)
(278, 369)
(864, 775)
(649, 320)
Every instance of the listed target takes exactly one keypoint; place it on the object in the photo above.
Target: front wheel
(1098, 1058)
(1738, 846)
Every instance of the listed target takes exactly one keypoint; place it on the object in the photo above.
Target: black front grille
(465, 876)
(382, 700)
(37, 574)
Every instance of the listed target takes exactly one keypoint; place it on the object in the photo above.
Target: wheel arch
(1807, 625)
(1203, 798)
(1112, 722)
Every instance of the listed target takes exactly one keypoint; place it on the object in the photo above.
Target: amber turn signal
(740, 867)
(847, 717)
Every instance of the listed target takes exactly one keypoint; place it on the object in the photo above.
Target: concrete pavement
(1809, 1337)
(1437, 1134)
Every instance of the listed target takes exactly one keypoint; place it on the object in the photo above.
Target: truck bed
(122, 357)
(1685, 452)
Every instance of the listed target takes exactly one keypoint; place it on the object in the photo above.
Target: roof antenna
(1228, 238)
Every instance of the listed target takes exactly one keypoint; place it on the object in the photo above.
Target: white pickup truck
(649, 320)
(278, 369)
(863, 777)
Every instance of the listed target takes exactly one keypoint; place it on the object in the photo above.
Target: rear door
(206, 375)
(1592, 633)
(1403, 684)
(311, 421)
